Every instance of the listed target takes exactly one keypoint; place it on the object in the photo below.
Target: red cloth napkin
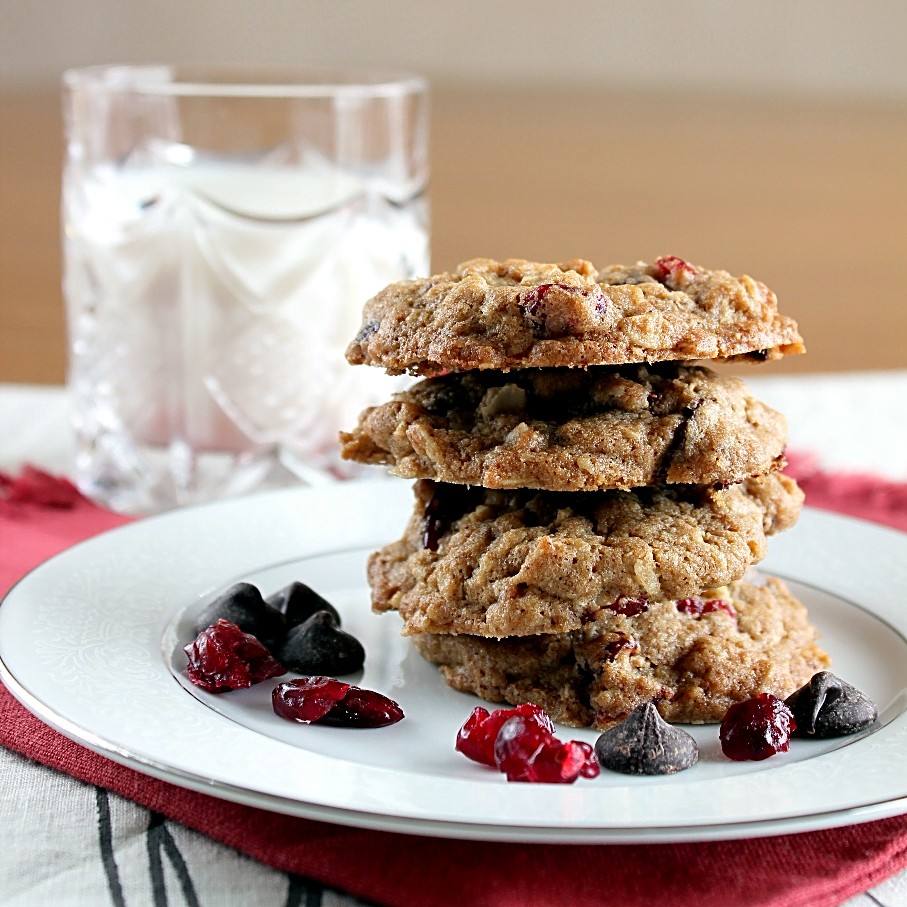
(39, 517)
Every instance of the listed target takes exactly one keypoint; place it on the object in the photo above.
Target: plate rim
(833, 817)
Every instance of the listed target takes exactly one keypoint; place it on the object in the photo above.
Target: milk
(209, 307)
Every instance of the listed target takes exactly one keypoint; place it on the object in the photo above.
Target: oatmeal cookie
(520, 314)
(522, 562)
(693, 658)
(573, 430)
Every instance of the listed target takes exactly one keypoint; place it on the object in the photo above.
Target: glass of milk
(221, 233)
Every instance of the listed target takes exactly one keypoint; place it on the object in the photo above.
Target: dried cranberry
(697, 606)
(691, 605)
(308, 699)
(533, 300)
(553, 318)
(363, 708)
(590, 767)
(534, 295)
(328, 701)
(669, 269)
(561, 763)
(524, 751)
(629, 607)
(718, 604)
(475, 739)
(518, 744)
(618, 643)
(222, 657)
(757, 728)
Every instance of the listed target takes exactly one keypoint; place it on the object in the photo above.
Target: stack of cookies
(590, 498)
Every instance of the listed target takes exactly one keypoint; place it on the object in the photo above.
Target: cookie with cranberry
(573, 429)
(694, 658)
(522, 562)
(520, 314)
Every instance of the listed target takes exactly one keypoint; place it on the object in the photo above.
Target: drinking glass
(221, 232)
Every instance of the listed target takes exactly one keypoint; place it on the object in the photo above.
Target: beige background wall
(763, 137)
(840, 48)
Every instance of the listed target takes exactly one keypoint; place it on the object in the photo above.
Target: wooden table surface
(811, 198)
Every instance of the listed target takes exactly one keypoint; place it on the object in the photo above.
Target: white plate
(90, 642)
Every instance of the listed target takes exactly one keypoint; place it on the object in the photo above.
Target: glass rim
(244, 81)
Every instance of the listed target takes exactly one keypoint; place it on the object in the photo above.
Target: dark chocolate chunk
(319, 646)
(645, 744)
(444, 504)
(243, 605)
(298, 602)
(366, 331)
(829, 707)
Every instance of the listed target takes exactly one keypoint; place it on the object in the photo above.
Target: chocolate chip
(829, 707)
(298, 602)
(243, 605)
(446, 395)
(678, 441)
(319, 646)
(444, 504)
(645, 744)
(366, 331)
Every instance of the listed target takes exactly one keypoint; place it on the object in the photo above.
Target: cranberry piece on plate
(476, 738)
(363, 708)
(757, 728)
(222, 657)
(524, 751)
(589, 767)
(520, 742)
(326, 700)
